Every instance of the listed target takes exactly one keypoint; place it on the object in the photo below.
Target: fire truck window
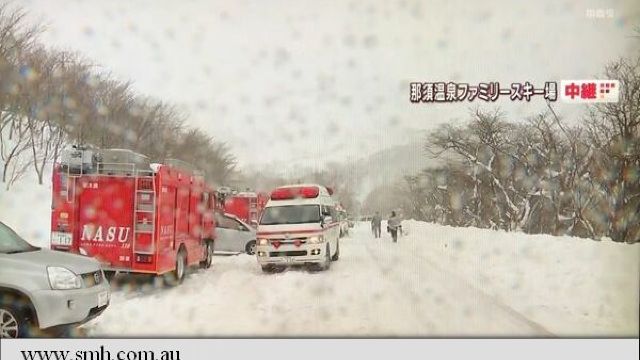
(63, 180)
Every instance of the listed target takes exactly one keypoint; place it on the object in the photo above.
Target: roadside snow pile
(26, 208)
(437, 281)
(573, 286)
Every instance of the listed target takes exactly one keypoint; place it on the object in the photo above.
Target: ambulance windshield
(291, 214)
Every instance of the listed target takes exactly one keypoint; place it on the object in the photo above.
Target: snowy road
(425, 285)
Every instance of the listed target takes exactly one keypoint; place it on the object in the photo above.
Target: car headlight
(63, 279)
(263, 242)
(315, 239)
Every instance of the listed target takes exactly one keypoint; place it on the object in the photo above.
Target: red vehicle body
(247, 206)
(134, 220)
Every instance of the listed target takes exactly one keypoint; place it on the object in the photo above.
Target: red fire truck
(247, 206)
(131, 215)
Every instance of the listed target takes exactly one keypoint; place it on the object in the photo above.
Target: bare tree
(614, 129)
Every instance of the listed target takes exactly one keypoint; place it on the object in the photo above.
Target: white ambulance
(299, 226)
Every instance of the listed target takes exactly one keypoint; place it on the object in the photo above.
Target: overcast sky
(312, 81)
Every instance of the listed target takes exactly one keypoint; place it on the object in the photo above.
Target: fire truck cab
(243, 205)
(299, 226)
(131, 215)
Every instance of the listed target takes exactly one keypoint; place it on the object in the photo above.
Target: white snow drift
(437, 281)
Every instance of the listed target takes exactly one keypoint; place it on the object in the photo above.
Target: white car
(234, 235)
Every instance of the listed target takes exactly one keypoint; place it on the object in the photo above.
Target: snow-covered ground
(437, 281)
(26, 208)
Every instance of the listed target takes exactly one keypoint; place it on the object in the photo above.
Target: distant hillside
(387, 166)
(382, 168)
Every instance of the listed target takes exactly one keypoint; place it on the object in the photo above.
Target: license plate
(103, 298)
(288, 259)
(60, 238)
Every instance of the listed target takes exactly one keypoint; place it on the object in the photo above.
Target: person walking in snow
(376, 224)
(393, 224)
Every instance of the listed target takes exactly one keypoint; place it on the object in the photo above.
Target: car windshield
(292, 214)
(11, 243)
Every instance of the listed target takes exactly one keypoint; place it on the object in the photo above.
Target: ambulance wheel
(327, 259)
(336, 256)
(250, 248)
(176, 276)
(208, 251)
(271, 269)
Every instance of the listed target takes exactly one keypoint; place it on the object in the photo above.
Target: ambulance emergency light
(308, 192)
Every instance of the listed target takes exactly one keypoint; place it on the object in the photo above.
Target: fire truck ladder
(144, 213)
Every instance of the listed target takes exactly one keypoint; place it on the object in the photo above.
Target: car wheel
(176, 276)
(336, 256)
(109, 275)
(12, 322)
(208, 253)
(250, 248)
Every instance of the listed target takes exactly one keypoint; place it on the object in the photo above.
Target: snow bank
(573, 286)
(26, 208)
(437, 281)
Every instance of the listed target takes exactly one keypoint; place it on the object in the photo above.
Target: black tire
(250, 248)
(336, 256)
(109, 275)
(176, 277)
(13, 321)
(208, 250)
(271, 269)
(327, 259)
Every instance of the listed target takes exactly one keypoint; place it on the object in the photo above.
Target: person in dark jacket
(376, 224)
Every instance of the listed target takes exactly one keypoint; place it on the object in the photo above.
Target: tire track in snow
(539, 328)
(452, 289)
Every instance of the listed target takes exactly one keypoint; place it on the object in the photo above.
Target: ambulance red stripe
(298, 231)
